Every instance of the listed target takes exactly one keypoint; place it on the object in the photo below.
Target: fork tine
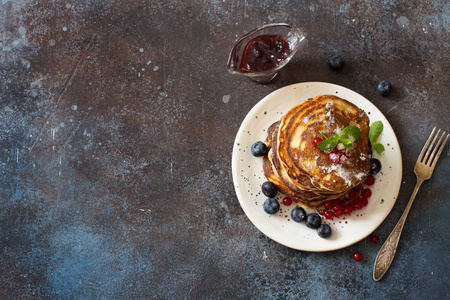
(426, 145)
(428, 158)
(442, 146)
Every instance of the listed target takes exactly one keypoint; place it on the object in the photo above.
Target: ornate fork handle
(387, 251)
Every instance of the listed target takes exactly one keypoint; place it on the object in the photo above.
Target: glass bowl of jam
(264, 51)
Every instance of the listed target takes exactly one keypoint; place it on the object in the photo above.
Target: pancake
(303, 197)
(301, 170)
(327, 114)
(296, 182)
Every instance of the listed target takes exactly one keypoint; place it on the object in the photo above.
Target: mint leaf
(374, 133)
(378, 147)
(347, 136)
(375, 130)
(351, 132)
(329, 143)
(347, 143)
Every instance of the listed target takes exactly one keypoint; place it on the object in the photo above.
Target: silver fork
(424, 169)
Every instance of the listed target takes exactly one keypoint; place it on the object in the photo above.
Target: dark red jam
(263, 53)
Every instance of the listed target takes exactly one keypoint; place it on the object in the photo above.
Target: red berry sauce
(264, 52)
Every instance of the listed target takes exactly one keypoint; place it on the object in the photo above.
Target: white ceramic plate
(248, 175)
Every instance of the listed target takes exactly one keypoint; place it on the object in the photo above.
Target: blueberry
(384, 87)
(271, 206)
(269, 189)
(375, 166)
(324, 231)
(313, 221)
(259, 149)
(298, 214)
(336, 62)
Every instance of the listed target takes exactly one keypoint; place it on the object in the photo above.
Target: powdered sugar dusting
(311, 164)
(343, 172)
(329, 121)
(360, 176)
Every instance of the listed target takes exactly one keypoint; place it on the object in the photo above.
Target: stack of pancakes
(298, 168)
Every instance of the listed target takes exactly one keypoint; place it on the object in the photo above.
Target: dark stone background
(116, 148)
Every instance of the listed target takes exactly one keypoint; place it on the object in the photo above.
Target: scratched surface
(117, 124)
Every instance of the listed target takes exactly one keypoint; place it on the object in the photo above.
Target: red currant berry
(340, 152)
(348, 209)
(374, 239)
(370, 180)
(352, 194)
(358, 205)
(328, 205)
(328, 152)
(287, 201)
(337, 202)
(364, 201)
(329, 214)
(366, 193)
(357, 256)
(333, 157)
(321, 212)
(358, 188)
(339, 213)
(349, 152)
(337, 207)
(316, 141)
(345, 201)
(343, 159)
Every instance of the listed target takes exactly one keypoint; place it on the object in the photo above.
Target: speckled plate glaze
(248, 175)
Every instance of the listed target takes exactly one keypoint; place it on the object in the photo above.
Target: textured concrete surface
(117, 124)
